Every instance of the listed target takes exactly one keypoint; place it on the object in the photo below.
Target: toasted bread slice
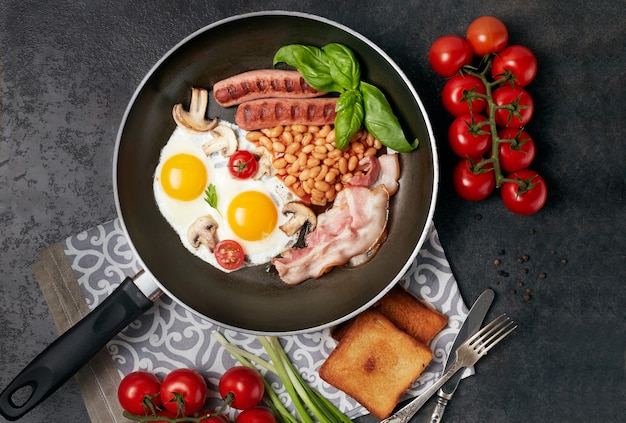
(407, 312)
(411, 314)
(375, 363)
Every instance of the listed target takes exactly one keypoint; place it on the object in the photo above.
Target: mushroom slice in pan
(300, 215)
(224, 140)
(202, 232)
(265, 163)
(195, 119)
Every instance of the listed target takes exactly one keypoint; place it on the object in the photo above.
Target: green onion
(309, 403)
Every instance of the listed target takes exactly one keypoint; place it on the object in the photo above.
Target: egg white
(181, 214)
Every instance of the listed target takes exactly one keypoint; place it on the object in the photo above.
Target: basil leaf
(381, 122)
(344, 68)
(312, 64)
(349, 117)
(210, 196)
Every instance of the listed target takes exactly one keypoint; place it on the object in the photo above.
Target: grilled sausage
(263, 83)
(267, 113)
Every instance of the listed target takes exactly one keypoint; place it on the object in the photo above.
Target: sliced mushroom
(300, 215)
(202, 232)
(224, 140)
(195, 119)
(265, 163)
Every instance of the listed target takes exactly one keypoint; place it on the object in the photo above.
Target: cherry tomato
(487, 35)
(460, 88)
(185, 388)
(519, 61)
(243, 164)
(133, 390)
(469, 135)
(448, 54)
(518, 153)
(256, 415)
(473, 185)
(520, 102)
(245, 384)
(221, 419)
(526, 197)
(229, 254)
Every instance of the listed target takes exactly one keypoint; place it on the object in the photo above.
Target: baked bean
(293, 148)
(254, 135)
(353, 163)
(324, 131)
(280, 163)
(309, 163)
(278, 146)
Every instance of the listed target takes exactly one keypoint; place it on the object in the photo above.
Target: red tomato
(526, 196)
(448, 54)
(242, 164)
(185, 389)
(518, 153)
(462, 94)
(473, 185)
(229, 254)
(221, 419)
(519, 61)
(245, 384)
(256, 415)
(136, 387)
(487, 35)
(519, 103)
(469, 135)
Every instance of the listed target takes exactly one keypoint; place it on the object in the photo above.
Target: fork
(467, 355)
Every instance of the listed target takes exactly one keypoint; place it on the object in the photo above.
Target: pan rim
(435, 164)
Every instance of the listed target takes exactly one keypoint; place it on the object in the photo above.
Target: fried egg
(247, 211)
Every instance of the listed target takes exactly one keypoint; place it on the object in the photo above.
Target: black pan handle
(72, 350)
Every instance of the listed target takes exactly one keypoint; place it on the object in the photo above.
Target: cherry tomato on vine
(518, 153)
(528, 195)
(229, 254)
(243, 164)
(448, 54)
(183, 388)
(464, 94)
(520, 106)
(487, 35)
(133, 390)
(469, 135)
(519, 61)
(473, 185)
(216, 419)
(245, 384)
(256, 415)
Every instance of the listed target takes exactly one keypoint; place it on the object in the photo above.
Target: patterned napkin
(169, 336)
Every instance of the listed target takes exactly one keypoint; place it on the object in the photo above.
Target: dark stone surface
(69, 68)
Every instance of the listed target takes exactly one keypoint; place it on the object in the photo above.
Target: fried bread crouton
(375, 363)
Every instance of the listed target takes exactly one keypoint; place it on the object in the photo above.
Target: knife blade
(472, 323)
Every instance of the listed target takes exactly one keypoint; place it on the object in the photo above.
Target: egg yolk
(183, 177)
(252, 215)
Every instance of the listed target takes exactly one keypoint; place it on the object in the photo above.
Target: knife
(472, 323)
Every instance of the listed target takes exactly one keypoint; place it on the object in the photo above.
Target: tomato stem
(494, 158)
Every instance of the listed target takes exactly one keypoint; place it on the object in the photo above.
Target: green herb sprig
(335, 68)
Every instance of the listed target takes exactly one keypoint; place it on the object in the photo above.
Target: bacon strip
(353, 226)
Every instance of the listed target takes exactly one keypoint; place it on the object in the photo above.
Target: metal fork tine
(489, 328)
(497, 330)
(503, 334)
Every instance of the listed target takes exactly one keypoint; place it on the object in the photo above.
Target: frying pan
(253, 299)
